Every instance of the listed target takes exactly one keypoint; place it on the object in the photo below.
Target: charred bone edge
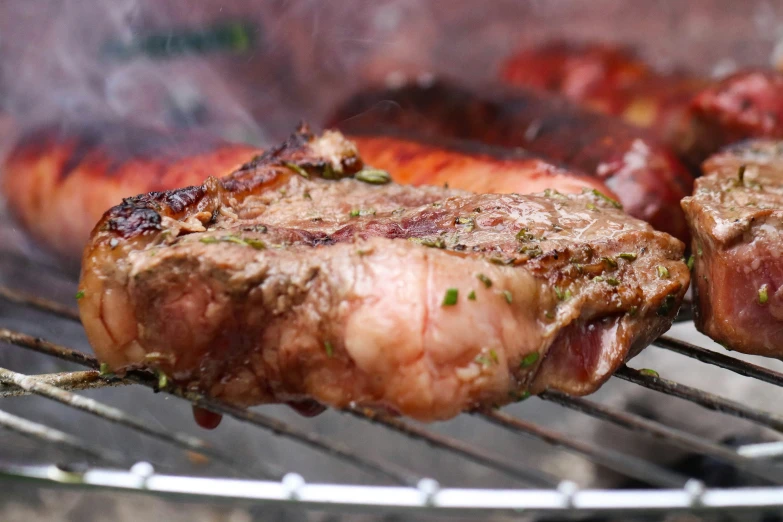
(428, 496)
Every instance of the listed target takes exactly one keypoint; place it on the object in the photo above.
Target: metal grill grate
(670, 490)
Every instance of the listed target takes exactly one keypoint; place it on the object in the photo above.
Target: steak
(736, 217)
(306, 275)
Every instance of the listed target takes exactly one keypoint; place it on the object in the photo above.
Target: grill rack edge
(411, 492)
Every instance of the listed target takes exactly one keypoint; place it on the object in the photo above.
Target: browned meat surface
(735, 217)
(646, 176)
(306, 276)
(59, 181)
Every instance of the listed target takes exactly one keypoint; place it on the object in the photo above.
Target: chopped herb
(763, 294)
(255, 243)
(612, 281)
(354, 213)
(501, 261)
(699, 251)
(649, 372)
(507, 296)
(562, 295)
(494, 356)
(590, 206)
(163, 381)
(630, 256)
(484, 279)
(549, 315)
(432, 243)
(104, 370)
(666, 306)
(690, 262)
(524, 235)
(472, 295)
(79, 294)
(663, 272)
(307, 195)
(329, 349)
(531, 252)
(609, 261)
(482, 360)
(363, 253)
(299, 170)
(598, 278)
(599, 194)
(261, 228)
(209, 240)
(522, 396)
(741, 173)
(529, 360)
(328, 172)
(632, 311)
(373, 176)
(469, 223)
(450, 298)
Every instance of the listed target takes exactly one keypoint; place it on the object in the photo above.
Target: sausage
(58, 182)
(647, 177)
(467, 165)
(613, 80)
(746, 104)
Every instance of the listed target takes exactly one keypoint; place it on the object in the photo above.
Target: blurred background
(249, 71)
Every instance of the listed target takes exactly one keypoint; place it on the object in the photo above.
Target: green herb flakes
(666, 306)
(507, 296)
(690, 262)
(611, 263)
(494, 356)
(104, 370)
(163, 381)
(472, 295)
(484, 279)
(612, 281)
(450, 298)
(590, 206)
(562, 295)
(79, 294)
(763, 294)
(629, 256)
(297, 169)
(373, 176)
(354, 213)
(519, 397)
(529, 360)
(549, 315)
(649, 372)
(329, 349)
(663, 272)
(632, 311)
(597, 193)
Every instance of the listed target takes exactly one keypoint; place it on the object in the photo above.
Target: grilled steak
(306, 276)
(735, 217)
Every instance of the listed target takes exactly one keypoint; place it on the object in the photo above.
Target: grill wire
(674, 490)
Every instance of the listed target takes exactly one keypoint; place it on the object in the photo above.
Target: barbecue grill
(387, 485)
(93, 433)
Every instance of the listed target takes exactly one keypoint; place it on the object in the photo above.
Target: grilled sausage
(467, 165)
(746, 104)
(613, 80)
(58, 182)
(645, 175)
